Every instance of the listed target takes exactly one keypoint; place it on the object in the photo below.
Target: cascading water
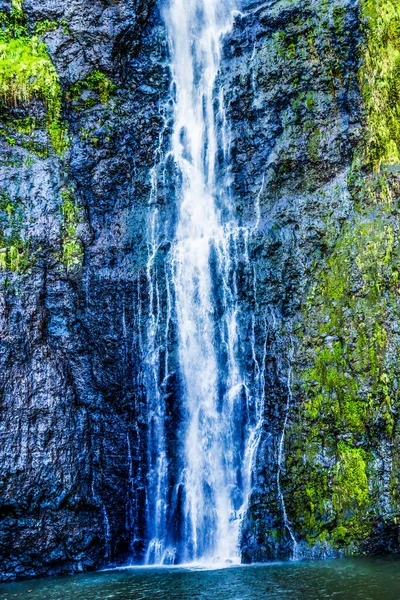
(199, 519)
(210, 478)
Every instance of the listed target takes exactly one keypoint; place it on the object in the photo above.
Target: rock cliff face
(314, 94)
(73, 224)
(312, 91)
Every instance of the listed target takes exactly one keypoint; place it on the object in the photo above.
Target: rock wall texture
(312, 93)
(73, 227)
(317, 113)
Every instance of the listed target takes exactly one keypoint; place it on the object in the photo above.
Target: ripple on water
(347, 579)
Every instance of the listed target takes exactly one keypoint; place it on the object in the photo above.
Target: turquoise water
(347, 579)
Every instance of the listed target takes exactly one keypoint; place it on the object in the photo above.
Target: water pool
(344, 579)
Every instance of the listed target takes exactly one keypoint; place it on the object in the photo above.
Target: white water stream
(196, 28)
(219, 436)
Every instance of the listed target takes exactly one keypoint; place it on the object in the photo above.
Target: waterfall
(196, 505)
(195, 28)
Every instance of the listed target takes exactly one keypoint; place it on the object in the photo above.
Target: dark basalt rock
(73, 422)
(282, 99)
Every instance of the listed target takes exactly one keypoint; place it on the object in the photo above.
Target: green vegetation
(380, 80)
(26, 72)
(349, 353)
(350, 480)
(72, 250)
(15, 254)
(348, 384)
(98, 84)
(43, 27)
(307, 62)
(14, 251)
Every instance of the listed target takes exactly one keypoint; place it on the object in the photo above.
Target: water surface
(347, 579)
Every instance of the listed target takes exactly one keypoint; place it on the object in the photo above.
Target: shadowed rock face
(73, 457)
(73, 422)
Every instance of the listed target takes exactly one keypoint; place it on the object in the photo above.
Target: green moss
(72, 250)
(350, 480)
(347, 348)
(26, 125)
(26, 72)
(43, 27)
(338, 14)
(380, 80)
(24, 128)
(13, 24)
(310, 100)
(316, 42)
(97, 83)
(14, 250)
(348, 386)
(313, 144)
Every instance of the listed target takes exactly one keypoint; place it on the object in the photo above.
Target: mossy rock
(27, 72)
